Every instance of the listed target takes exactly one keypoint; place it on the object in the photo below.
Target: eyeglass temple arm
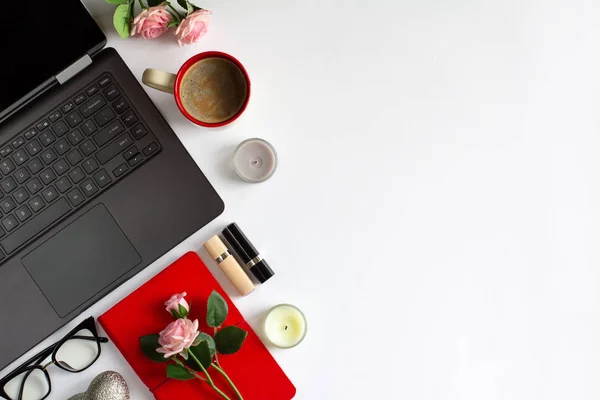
(100, 338)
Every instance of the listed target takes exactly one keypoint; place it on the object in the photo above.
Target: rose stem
(210, 381)
(222, 372)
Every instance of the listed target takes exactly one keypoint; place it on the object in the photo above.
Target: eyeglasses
(74, 353)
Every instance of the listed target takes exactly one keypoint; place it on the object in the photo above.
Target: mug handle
(161, 80)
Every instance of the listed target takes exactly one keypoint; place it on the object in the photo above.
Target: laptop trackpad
(81, 260)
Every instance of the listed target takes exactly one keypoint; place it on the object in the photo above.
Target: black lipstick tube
(248, 253)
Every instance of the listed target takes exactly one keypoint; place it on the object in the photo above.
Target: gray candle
(255, 160)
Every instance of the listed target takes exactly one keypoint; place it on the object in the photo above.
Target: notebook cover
(143, 313)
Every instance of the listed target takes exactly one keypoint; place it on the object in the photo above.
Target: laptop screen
(40, 38)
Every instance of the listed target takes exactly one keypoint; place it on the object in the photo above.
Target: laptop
(94, 184)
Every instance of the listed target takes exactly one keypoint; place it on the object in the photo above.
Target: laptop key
(43, 124)
(61, 166)
(35, 165)
(18, 142)
(136, 160)
(74, 157)
(90, 165)
(23, 213)
(61, 147)
(102, 178)
(49, 194)
(60, 128)
(120, 170)
(30, 134)
(76, 175)
(92, 105)
(114, 148)
(132, 152)
(48, 176)
(8, 184)
(10, 223)
(120, 105)
(73, 119)
(129, 118)
(105, 80)
(36, 203)
(139, 131)
(91, 90)
(33, 147)
(63, 184)
(55, 116)
(5, 151)
(7, 204)
(104, 116)
(151, 148)
(75, 197)
(75, 137)
(87, 148)
(88, 128)
(111, 92)
(80, 98)
(47, 138)
(7, 166)
(34, 185)
(20, 195)
(20, 157)
(108, 133)
(35, 225)
(22, 175)
(68, 107)
(49, 156)
(89, 188)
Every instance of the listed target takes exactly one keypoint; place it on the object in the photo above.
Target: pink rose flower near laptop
(188, 352)
(156, 17)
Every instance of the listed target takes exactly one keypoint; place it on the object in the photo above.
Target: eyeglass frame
(36, 360)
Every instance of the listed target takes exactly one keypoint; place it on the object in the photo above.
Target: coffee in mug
(211, 89)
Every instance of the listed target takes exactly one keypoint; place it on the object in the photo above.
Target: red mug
(171, 83)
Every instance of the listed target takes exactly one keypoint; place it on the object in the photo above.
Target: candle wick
(286, 327)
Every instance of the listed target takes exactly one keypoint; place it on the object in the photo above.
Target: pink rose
(175, 301)
(193, 27)
(152, 22)
(177, 337)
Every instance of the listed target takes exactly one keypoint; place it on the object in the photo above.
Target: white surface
(436, 210)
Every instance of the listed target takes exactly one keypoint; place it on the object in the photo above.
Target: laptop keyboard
(74, 153)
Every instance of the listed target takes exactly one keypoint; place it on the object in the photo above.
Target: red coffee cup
(171, 83)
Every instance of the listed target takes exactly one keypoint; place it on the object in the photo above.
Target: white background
(436, 211)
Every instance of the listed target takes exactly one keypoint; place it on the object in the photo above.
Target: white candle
(255, 160)
(285, 326)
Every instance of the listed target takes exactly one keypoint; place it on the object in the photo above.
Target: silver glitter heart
(109, 385)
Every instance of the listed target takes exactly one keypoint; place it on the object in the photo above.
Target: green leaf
(173, 23)
(152, 3)
(202, 353)
(230, 339)
(116, 2)
(190, 7)
(182, 311)
(122, 20)
(217, 310)
(149, 344)
(178, 372)
(175, 314)
(205, 337)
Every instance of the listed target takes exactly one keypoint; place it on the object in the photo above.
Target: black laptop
(94, 184)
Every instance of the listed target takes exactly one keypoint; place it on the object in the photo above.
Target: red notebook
(143, 313)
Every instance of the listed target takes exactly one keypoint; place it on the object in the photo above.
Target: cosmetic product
(248, 253)
(255, 160)
(228, 264)
(285, 326)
